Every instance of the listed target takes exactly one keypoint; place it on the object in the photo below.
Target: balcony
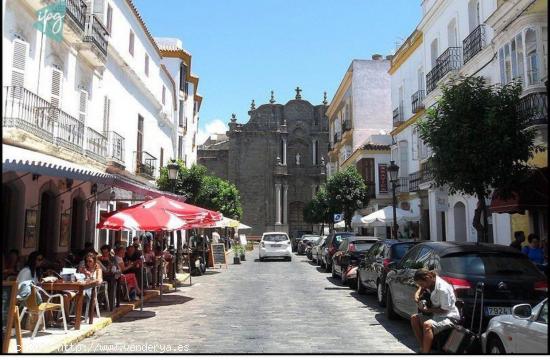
(337, 138)
(414, 181)
(416, 101)
(27, 111)
(398, 116)
(96, 145)
(75, 20)
(426, 171)
(116, 147)
(534, 107)
(448, 61)
(95, 41)
(474, 43)
(346, 126)
(146, 164)
(402, 185)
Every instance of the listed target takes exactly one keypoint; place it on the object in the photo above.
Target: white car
(523, 332)
(275, 244)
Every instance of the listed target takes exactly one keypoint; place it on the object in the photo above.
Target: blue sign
(338, 217)
(50, 20)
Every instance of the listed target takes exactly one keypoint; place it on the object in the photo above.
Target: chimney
(377, 57)
(389, 57)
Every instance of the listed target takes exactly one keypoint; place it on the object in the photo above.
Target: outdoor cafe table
(79, 287)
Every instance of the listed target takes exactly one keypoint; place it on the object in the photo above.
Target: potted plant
(236, 252)
(242, 252)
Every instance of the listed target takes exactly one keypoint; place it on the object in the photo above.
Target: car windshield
(362, 245)
(310, 238)
(484, 264)
(338, 238)
(275, 237)
(398, 250)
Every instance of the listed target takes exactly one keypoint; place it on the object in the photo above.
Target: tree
(188, 183)
(346, 192)
(479, 140)
(317, 211)
(220, 195)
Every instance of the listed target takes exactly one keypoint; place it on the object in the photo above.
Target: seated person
(111, 273)
(149, 258)
(12, 265)
(127, 272)
(533, 250)
(135, 262)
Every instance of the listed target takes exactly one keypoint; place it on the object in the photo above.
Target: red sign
(382, 178)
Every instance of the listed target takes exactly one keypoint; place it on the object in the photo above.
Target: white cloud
(215, 126)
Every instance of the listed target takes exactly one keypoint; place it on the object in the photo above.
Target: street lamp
(394, 171)
(173, 170)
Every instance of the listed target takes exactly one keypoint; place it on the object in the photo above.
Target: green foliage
(478, 137)
(346, 192)
(203, 190)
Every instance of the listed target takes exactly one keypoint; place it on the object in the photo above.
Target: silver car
(524, 332)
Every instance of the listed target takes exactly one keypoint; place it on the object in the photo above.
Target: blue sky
(243, 49)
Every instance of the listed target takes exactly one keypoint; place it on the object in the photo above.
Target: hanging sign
(382, 178)
(50, 20)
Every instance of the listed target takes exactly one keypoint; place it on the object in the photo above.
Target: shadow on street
(167, 300)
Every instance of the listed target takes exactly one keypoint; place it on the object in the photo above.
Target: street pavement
(257, 307)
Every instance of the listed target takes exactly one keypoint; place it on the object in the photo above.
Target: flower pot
(242, 257)
(236, 260)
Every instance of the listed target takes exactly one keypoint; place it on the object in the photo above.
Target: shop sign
(50, 20)
(382, 178)
(441, 201)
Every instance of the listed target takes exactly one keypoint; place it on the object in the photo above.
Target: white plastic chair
(32, 306)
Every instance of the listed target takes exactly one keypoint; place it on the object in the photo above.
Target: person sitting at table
(32, 271)
(12, 265)
(111, 273)
(127, 273)
(149, 257)
(134, 260)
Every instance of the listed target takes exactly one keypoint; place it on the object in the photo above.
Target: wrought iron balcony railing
(346, 126)
(96, 33)
(76, 10)
(414, 180)
(398, 116)
(426, 170)
(116, 147)
(474, 43)
(446, 62)
(146, 164)
(402, 185)
(96, 145)
(534, 107)
(416, 101)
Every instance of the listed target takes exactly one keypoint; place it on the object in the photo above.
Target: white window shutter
(106, 114)
(20, 52)
(57, 83)
(83, 106)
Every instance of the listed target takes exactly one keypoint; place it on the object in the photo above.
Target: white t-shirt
(26, 275)
(215, 237)
(443, 297)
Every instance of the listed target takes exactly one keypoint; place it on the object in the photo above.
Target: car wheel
(334, 273)
(289, 258)
(360, 287)
(261, 259)
(390, 312)
(495, 346)
(380, 294)
(352, 283)
(328, 267)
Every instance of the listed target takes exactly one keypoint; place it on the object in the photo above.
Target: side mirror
(522, 311)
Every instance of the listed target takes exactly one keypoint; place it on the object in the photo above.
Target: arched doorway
(296, 218)
(46, 240)
(78, 219)
(459, 211)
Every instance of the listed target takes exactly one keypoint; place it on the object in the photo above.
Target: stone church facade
(276, 160)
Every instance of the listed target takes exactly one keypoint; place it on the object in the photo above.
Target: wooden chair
(32, 307)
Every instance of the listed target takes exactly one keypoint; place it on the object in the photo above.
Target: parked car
(347, 257)
(509, 277)
(275, 244)
(525, 331)
(309, 248)
(304, 242)
(296, 236)
(316, 250)
(372, 270)
(330, 246)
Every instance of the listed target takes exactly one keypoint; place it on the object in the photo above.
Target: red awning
(533, 195)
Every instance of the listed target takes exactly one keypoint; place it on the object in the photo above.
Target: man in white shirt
(215, 237)
(440, 315)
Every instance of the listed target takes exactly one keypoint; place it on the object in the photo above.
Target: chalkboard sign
(10, 315)
(217, 252)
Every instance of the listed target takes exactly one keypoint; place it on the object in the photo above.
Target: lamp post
(173, 170)
(394, 171)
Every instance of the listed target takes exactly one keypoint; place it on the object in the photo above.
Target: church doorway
(296, 221)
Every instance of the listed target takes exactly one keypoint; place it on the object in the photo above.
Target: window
(451, 33)
(531, 55)
(146, 64)
(181, 113)
(183, 75)
(106, 113)
(543, 314)
(315, 149)
(139, 147)
(421, 79)
(57, 83)
(408, 260)
(520, 57)
(434, 53)
(83, 106)
(403, 159)
(163, 95)
(520, 60)
(20, 51)
(474, 14)
(180, 147)
(131, 43)
(414, 143)
(109, 19)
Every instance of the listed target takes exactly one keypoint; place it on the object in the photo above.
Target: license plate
(275, 245)
(497, 310)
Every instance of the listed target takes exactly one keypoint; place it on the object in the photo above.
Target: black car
(372, 270)
(305, 241)
(295, 238)
(509, 278)
(350, 251)
(332, 242)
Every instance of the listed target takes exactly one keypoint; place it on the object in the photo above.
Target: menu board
(218, 254)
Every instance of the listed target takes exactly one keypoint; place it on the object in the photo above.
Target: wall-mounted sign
(50, 20)
(382, 178)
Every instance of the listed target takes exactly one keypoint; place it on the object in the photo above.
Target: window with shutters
(20, 52)
(180, 117)
(139, 147)
(106, 113)
(83, 106)
(403, 159)
(109, 19)
(55, 98)
(180, 147)
(365, 167)
(414, 143)
(131, 43)
(183, 74)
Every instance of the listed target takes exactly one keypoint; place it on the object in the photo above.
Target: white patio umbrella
(384, 217)
(243, 227)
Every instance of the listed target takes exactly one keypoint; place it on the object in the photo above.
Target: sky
(243, 49)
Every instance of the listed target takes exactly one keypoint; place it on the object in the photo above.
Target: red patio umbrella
(188, 212)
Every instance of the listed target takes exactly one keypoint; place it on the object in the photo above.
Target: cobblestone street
(258, 307)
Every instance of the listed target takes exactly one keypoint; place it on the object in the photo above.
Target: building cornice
(407, 123)
(406, 50)
(186, 58)
(143, 26)
(434, 13)
(344, 85)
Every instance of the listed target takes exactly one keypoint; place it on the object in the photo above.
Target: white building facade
(87, 122)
